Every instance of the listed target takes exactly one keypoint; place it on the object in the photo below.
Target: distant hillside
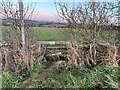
(8, 22)
(33, 23)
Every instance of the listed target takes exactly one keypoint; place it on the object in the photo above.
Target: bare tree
(15, 17)
(7, 11)
(14, 55)
(87, 20)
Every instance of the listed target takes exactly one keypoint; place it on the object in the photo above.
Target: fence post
(0, 53)
(22, 30)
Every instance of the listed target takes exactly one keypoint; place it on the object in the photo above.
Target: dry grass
(13, 57)
(74, 56)
(105, 54)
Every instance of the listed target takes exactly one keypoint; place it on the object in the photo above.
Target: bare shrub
(105, 54)
(86, 21)
(13, 57)
(112, 56)
(74, 56)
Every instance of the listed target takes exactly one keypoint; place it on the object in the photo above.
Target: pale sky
(45, 9)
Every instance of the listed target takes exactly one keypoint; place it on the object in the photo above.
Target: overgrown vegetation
(101, 76)
(11, 81)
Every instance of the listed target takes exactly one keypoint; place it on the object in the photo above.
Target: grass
(0, 80)
(49, 34)
(99, 77)
(8, 80)
(57, 34)
(11, 81)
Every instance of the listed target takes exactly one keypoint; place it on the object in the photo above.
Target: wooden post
(22, 30)
(118, 13)
(0, 53)
(0, 31)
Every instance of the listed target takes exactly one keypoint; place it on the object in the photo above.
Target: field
(57, 34)
(50, 34)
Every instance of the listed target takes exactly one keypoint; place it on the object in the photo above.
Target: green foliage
(24, 73)
(79, 78)
(109, 36)
(0, 80)
(98, 77)
(8, 80)
(38, 67)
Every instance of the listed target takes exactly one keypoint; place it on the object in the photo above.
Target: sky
(45, 9)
